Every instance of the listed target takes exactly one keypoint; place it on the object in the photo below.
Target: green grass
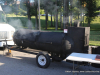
(94, 43)
(94, 33)
(24, 21)
(94, 38)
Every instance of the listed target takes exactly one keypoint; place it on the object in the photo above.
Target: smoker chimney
(76, 23)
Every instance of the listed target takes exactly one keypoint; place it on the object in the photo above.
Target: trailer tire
(43, 60)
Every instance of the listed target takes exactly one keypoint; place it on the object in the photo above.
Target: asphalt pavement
(25, 64)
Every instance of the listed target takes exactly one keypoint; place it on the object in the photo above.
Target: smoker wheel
(43, 60)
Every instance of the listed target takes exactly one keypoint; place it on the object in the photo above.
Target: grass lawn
(21, 22)
(94, 38)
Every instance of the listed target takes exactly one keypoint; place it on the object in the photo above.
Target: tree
(28, 9)
(71, 13)
(52, 7)
(66, 14)
(91, 10)
(56, 25)
(9, 6)
(91, 6)
(32, 11)
(44, 4)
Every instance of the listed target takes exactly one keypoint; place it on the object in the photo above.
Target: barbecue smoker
(57, 44)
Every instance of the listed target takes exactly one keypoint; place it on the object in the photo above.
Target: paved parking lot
(25, 64)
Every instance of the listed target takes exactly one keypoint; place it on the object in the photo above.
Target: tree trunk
(28, 9)
(71, 13)
(81, 15)
(56, 25)
(46, 19)
(83, 20)
(61, 20)
(61, 24)
(66, 14)
(36, 20)
(88, 23)
(16, 8)
(54, 20)
(51, 21)
(63, 14)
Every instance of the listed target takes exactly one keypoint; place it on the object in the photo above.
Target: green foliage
(22, 12)
(33, 11)
(98, 3)
(91, 10)
(90, 7)
(94, 38)
(76, 12)
(42, 11)
(14, 8)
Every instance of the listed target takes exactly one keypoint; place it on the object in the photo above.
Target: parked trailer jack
(9, 54)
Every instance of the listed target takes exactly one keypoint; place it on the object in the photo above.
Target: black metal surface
(76, 40)
(47, 41)
(96, 50)
(80, 37)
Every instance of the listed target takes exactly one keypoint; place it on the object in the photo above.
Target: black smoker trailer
(58, 44)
